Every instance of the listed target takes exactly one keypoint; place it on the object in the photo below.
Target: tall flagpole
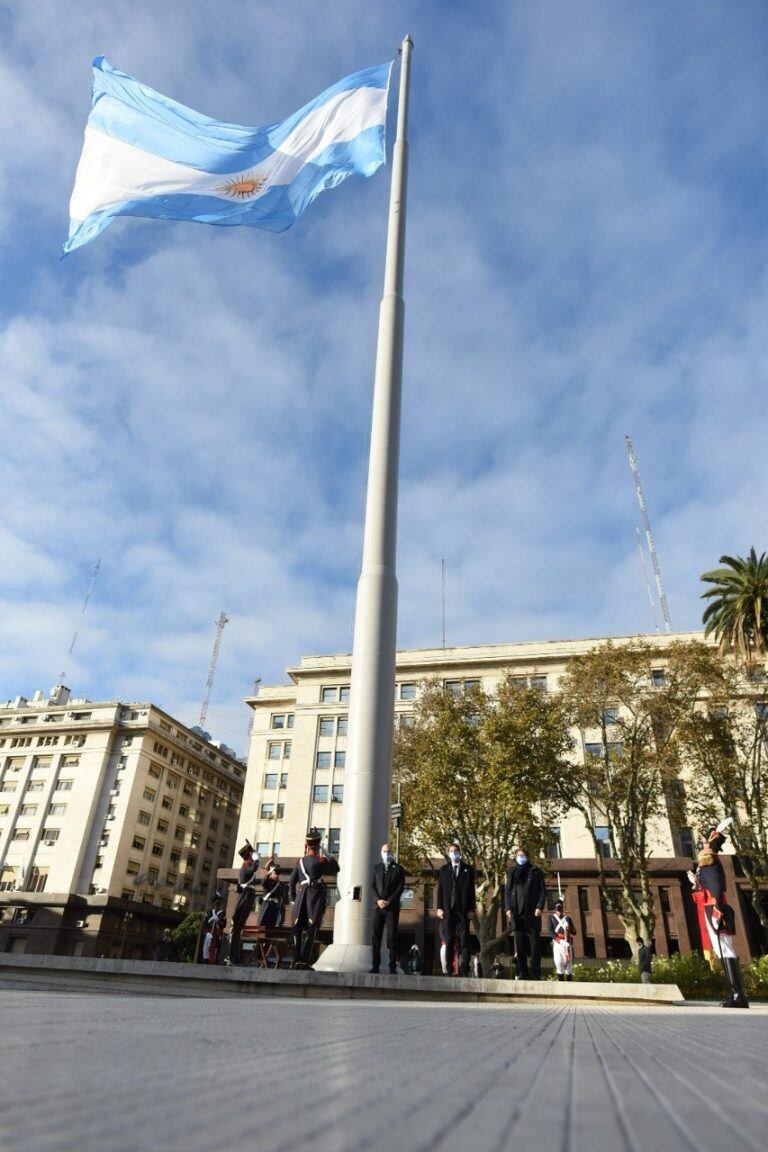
(368, 772)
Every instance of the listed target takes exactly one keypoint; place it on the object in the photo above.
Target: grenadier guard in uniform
(718, 913)
(246, 886)
(213, 932)
(307, 890)
(562, 931)
(273, 899)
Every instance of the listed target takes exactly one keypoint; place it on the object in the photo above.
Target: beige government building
(114, 820)
(295, 779)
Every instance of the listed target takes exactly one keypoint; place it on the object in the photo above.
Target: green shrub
(756, 978)
(186, 936)
(690, 971)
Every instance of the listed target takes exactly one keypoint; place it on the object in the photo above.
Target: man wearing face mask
(388, 884)
(455, 906)
(525, 896)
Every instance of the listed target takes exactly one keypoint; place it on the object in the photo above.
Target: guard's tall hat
(246, 852)
(313, 838)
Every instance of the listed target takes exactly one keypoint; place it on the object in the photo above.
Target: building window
(594, 751)
(155, 771)
(658, 677)
(554, 847)
(283, 779)
(583, 899)
(687, 843)
(342, 726)
(334, 841)
(337, 793)
(280, 811)
(78, 741)
(327, 724)
(183, 810)
(329, 695)
(57, 809)
(539, 682)
(172, 781)
(50, 836)
(160, 749)
(340, 759)
(276, 848)
(152, 875)
(344, 694)
(174, 858)
(167, 803)
(470, 684)
(162, 825)
(63, 785)
(157, 848)
(274, 751)
(287, 750)
(407, 691)
(323, 760)
(132, 867)
(603, 835)
(262, 848)
(138, 843)
(267, 811)
(270, 780)
(143, 817)
(320, 793)
(33, 786)
(610, 715)
(278, 721)
(290, 719)
(28, 809)
(149, 793)
(452, 687)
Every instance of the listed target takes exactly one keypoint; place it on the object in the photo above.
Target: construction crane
(65, 669)
(220, 623)
(647, 582)
(649, 535)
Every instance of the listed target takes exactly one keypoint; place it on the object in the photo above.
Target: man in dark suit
(525, 895)
(455, 905)
(388, 884)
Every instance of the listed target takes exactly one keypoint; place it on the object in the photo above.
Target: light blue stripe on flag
(146, 155)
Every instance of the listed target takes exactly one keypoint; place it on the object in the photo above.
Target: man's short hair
(454, 845)
(639, 940)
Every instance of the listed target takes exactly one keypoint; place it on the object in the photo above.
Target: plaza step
(86, 974)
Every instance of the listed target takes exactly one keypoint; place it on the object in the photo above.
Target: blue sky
(585, 258)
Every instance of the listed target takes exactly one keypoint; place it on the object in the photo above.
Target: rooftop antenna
(220, 623)
(648, 535)
(442, 595)
(65, 669)
(647, 581)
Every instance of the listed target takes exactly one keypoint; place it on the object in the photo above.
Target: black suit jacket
(465, 888)
(388, 883)
(534, 895)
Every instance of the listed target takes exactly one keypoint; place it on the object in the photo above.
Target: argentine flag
(146, 155)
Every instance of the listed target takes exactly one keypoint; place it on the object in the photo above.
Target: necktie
(456, 872)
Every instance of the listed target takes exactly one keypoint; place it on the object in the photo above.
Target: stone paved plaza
(120, 1073)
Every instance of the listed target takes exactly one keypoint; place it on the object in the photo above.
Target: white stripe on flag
(112, 172)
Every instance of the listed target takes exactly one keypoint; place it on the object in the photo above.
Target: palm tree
(737, 614)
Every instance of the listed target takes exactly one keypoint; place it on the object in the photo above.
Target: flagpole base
(345, 958)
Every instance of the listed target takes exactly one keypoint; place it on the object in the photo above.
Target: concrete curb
(132, 977)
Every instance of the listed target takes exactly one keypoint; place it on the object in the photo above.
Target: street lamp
(127, 917)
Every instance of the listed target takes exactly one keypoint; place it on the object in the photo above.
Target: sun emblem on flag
(243, 187)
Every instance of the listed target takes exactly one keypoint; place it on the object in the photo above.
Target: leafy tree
(628, 710)
(480, 769)
(737, 614)
(723, 741)
(186, 935)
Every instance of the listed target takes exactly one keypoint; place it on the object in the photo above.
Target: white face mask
(521, 858)
(387, 857)
(455, 857)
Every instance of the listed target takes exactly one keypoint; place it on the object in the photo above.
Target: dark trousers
(304, 932)
(528, 947)
(389, 916)
(457, 924)
(243, 909)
